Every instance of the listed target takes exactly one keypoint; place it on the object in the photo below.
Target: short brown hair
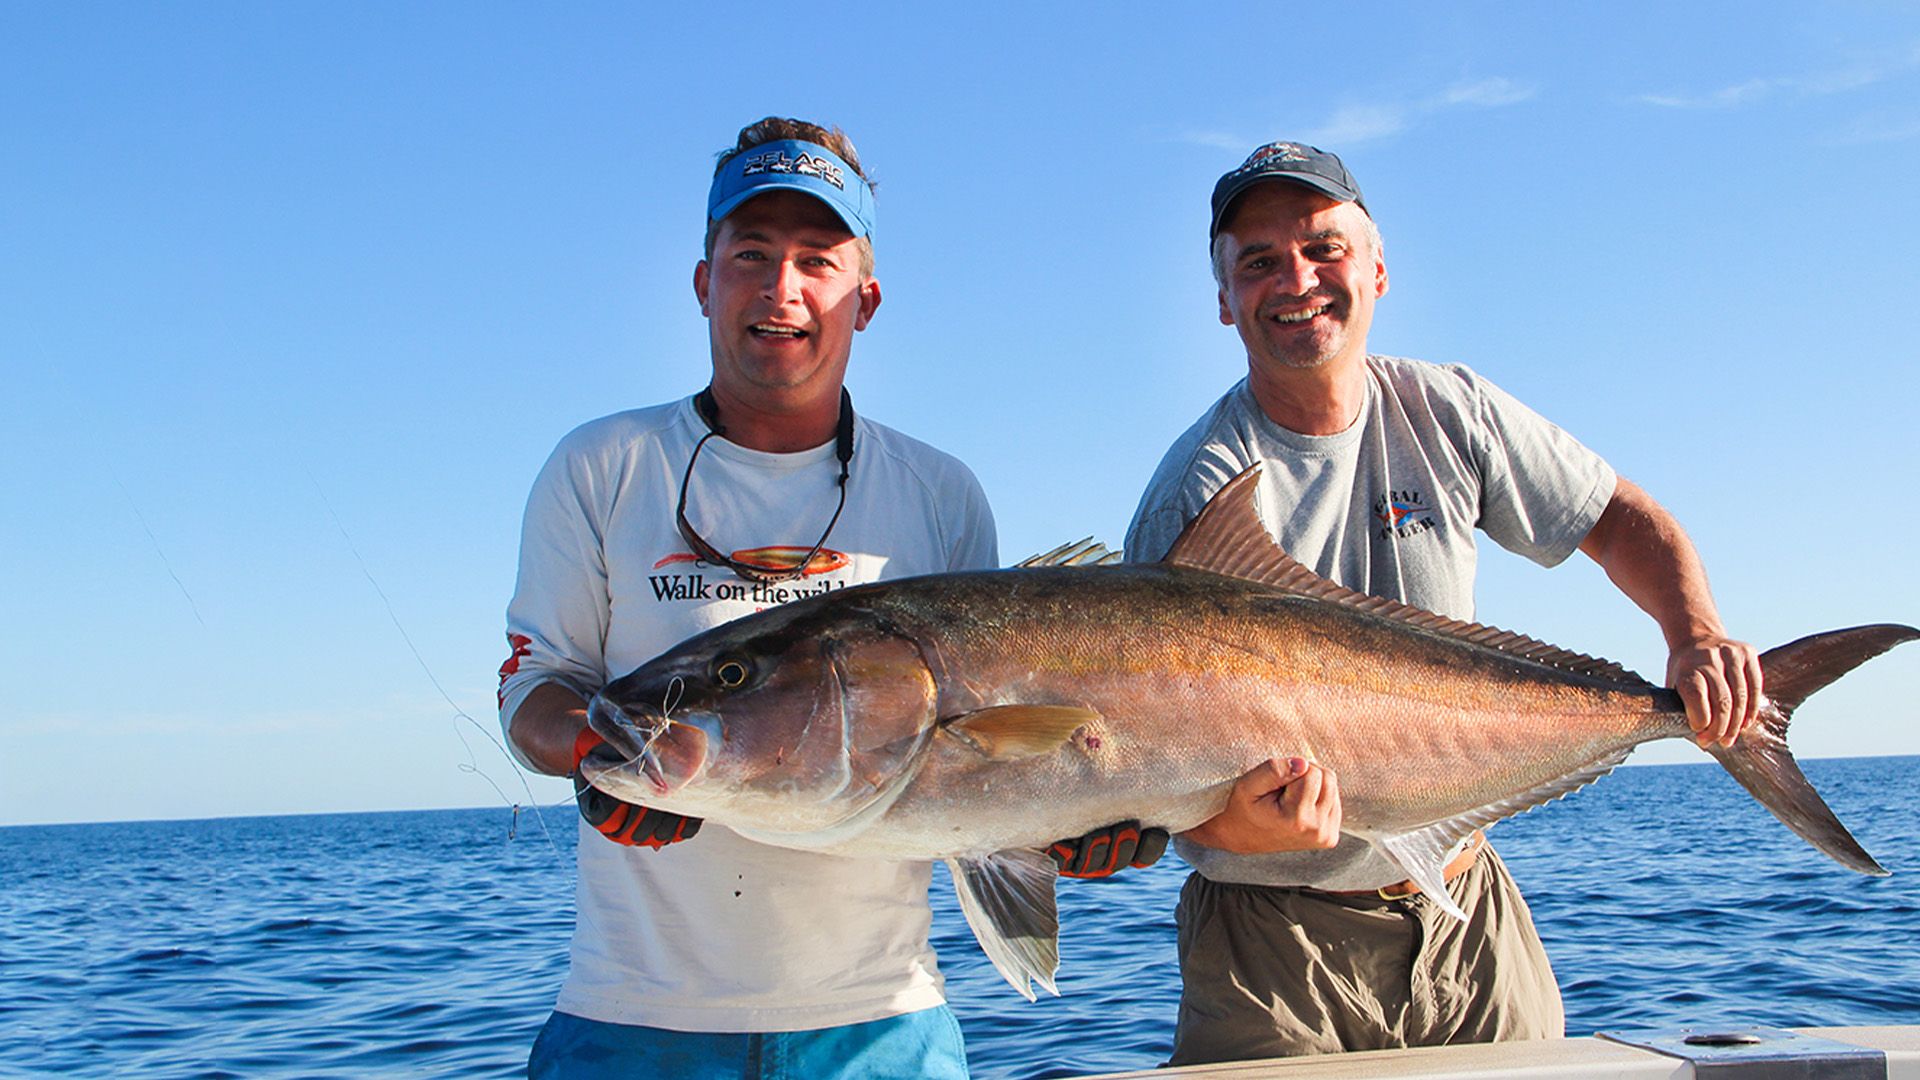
(777, 128)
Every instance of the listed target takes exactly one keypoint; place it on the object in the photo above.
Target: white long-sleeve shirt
(719, 933)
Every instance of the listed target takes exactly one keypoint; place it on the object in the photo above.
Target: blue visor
(795, 166)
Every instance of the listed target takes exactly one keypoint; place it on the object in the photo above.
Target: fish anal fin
(1228, 538)
(1012, 732)
(1422, 852)
(1423, 855)
(1008, 900)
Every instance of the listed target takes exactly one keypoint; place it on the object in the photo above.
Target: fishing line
(676, 689)
(472, 765)
(157, 550)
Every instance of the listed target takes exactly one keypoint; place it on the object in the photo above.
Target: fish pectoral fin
(1007, 898)
(1011, 732)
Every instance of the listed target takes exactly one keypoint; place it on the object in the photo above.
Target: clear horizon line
(562, 804)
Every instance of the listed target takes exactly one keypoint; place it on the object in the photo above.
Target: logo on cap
(806, 164)
(1286, 152)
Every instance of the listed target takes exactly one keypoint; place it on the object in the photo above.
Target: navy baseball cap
(1293, 162)
(793, 165)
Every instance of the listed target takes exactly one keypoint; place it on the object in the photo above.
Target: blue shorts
(918, 1044)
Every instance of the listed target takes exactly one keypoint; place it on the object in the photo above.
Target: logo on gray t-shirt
(1403, 514)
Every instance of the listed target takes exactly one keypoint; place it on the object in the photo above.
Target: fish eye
(730, 673)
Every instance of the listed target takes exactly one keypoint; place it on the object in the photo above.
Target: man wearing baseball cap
(710, 955)
(1295, 938)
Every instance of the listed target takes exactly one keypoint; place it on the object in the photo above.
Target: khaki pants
(1276, 972)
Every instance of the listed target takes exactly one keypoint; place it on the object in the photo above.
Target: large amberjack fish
(976, 717)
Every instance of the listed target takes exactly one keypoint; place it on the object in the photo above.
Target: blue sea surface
(432, 943)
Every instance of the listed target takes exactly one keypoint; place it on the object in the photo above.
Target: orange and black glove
(619, 821)
(1105, 852)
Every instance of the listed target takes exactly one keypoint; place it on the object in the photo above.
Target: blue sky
(294, 300)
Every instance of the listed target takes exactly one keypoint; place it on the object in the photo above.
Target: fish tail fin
(1760, 760)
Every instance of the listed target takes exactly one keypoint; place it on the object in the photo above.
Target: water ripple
(358, 944)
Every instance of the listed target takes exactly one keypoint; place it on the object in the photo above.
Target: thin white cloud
(1724, 98)
(1352, 124)
(1365, 123)
(1371, 121)
(1837, 80)
(1878, 130)
(1488, 93)
(1842, 80)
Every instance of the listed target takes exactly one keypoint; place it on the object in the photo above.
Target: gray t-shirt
(1388, 507)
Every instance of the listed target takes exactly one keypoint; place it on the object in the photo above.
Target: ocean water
(432, 943)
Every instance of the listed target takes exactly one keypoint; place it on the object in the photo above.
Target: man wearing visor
(723, 957)
(1378, 474)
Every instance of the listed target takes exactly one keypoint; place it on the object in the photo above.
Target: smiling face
(1301, 273)
(783, 294)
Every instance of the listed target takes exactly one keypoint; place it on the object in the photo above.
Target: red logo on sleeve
(522, 645)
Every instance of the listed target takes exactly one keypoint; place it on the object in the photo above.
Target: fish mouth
(664, 754)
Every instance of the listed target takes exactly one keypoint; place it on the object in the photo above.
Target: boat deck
(1550, 1059)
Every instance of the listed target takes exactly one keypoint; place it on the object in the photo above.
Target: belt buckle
(1405, 890)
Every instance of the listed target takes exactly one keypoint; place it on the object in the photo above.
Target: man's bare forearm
(1647, 556)
(545, 726)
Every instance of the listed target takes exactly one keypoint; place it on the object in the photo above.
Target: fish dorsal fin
(1083, 552)
(1007, 898)
(1228, 538)
(1012, 732)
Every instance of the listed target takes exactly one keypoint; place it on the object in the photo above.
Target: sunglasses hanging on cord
(703, 404)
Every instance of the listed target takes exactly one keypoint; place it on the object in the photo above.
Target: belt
(1401, 890)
